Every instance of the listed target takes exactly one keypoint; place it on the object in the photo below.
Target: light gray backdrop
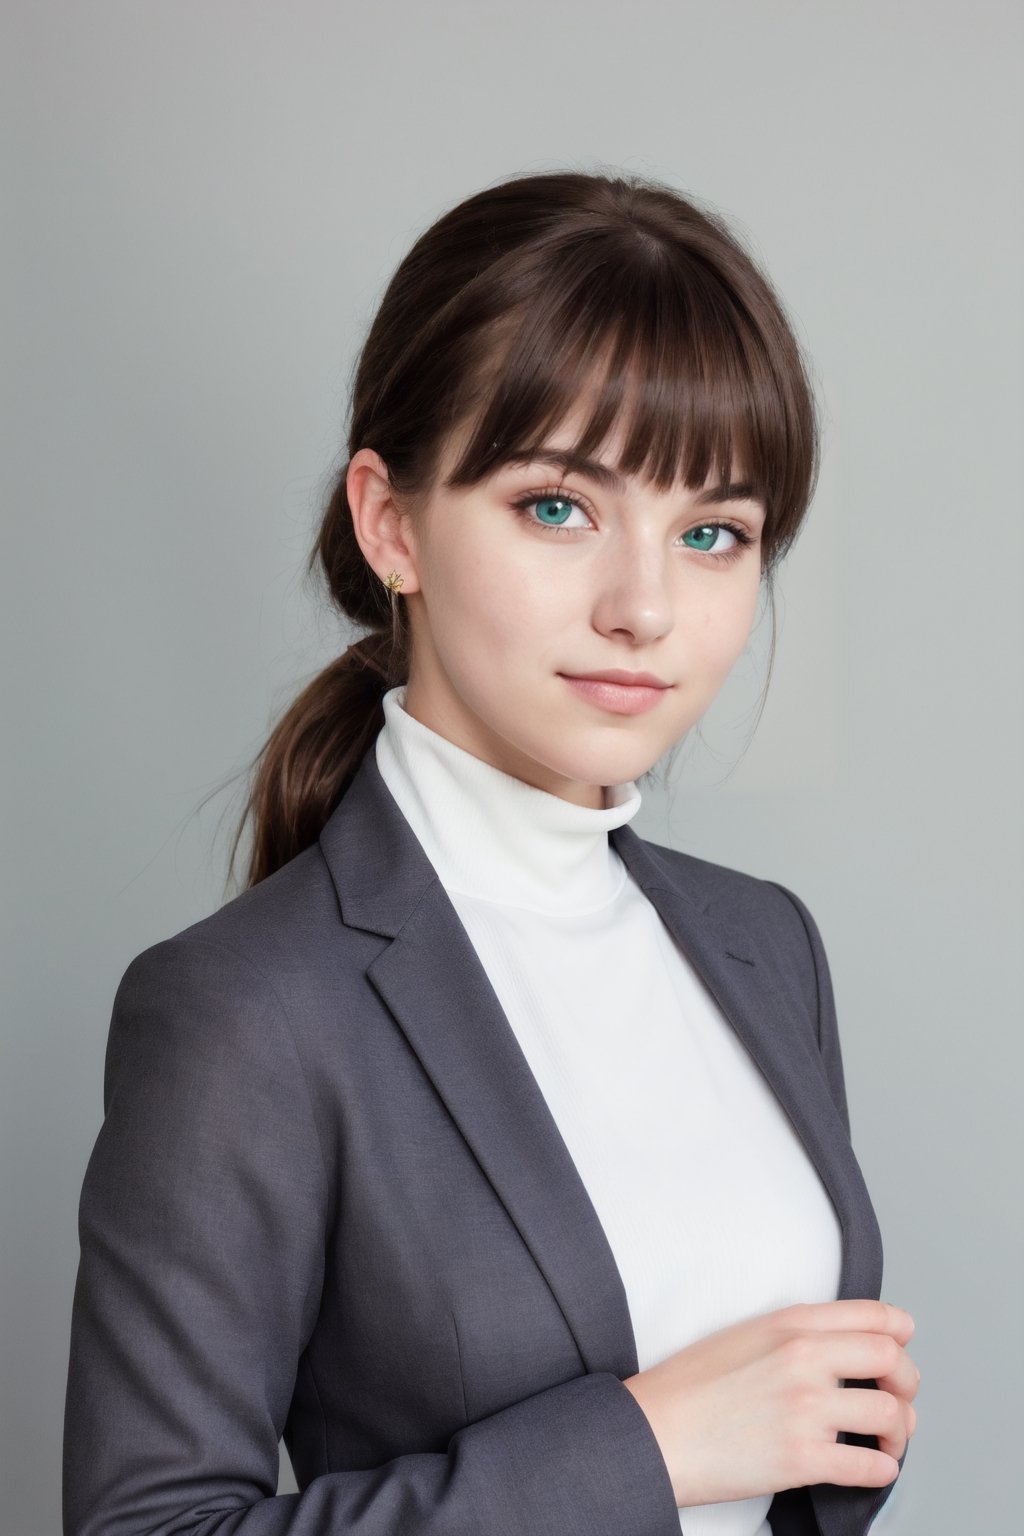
(207, 200)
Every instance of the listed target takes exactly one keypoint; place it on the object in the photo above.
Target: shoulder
(246, 981)
(205, 1081)
(759, 904)
(761, 911)
(271, 931)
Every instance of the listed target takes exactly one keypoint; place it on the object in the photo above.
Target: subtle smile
(621, 693)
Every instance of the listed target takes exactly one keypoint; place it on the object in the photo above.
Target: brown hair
(523, 300)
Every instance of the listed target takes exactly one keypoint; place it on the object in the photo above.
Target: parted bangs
(701, 377)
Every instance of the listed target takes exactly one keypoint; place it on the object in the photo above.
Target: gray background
(207, 201)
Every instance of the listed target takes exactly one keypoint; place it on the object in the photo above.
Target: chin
(609, 769)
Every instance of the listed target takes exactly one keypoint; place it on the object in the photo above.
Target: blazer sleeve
(824, 1007)
(202, 1229)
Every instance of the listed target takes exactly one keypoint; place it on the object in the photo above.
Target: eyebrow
(610, 480)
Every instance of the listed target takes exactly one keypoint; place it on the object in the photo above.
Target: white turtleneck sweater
(711, 1207)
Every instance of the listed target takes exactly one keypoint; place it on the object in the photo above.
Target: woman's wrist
(640, 1388)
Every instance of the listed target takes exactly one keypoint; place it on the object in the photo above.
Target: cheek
(479, 624)
(510, 601)
(461, 587)
(725, 629)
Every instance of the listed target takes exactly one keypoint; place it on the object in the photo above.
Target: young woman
(497, 1158)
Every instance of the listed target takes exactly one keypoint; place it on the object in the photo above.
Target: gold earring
(393, 581)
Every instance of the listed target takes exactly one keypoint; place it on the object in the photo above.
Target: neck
(491, 835)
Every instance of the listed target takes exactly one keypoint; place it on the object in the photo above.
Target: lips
(607, 692)
(617, 675)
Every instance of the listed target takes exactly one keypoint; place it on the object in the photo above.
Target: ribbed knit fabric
(711, 1207)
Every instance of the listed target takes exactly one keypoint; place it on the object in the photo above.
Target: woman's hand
(756, 1407)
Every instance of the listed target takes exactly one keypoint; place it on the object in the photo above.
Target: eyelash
(522, 505)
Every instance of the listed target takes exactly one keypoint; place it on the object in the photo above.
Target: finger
(895, 1443)
(852, 1466)
(903, 1378)
(861, 1356)
(865, 1411)
(861, 1316)
(904, 1327)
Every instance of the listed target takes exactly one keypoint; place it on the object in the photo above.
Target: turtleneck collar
(489, 834)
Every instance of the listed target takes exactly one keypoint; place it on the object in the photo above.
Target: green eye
(556, 517)
(705, 538)
(552, 509)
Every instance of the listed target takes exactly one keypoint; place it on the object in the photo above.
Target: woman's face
(538, 576)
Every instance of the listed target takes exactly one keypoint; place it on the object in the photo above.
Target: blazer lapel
(731, 965)
(432, 982)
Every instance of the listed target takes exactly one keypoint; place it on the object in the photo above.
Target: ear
(383, 533)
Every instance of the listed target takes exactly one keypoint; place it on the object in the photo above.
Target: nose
(633, 597)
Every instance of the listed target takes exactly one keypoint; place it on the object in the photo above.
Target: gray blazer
(328, 1202)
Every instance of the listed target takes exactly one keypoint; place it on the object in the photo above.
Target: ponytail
(312, 754)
